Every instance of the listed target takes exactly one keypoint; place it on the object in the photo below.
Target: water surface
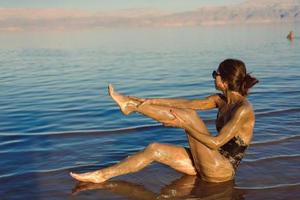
(56, 115)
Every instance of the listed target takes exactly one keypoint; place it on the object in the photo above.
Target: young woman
(213, 158)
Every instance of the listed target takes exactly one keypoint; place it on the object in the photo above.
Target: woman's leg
(176, 157)
(159, 113)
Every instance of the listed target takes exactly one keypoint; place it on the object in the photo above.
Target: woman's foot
(92, 177)
(126, 104)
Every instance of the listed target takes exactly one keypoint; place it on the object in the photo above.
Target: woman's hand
(177, 122)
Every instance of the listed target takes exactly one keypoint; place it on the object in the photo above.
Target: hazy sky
(168, 5)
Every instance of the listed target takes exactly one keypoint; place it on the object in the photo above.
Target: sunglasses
(215, 74)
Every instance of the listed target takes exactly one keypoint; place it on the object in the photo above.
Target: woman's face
(219, 84)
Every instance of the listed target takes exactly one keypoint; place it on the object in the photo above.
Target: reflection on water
(191, 187)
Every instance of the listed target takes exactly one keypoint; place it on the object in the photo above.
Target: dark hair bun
(247, 83)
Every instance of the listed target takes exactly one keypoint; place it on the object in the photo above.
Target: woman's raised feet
(126, 104)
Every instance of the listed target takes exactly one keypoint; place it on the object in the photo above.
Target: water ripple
(277, 158)
(274, 142)
(277, 186)
(278, 112)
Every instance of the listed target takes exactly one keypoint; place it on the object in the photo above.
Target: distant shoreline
(249, 12)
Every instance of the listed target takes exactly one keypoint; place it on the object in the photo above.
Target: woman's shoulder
(246, 105)
(218, 98)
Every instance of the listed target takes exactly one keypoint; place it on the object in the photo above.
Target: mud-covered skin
(235, 118)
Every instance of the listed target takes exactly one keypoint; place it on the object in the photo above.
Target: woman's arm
(238, 121)
(209, 102)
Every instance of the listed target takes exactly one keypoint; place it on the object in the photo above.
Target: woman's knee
(153, 146)
(153, 149)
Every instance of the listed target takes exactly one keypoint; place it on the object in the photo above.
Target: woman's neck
(233, 97)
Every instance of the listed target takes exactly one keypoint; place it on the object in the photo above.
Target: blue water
(56, 115)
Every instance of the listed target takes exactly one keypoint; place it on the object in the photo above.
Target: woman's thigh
(200, 157)
(201, 154)
(209, 162)
(179, 158)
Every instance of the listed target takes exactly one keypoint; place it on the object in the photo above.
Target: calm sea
(56, 115)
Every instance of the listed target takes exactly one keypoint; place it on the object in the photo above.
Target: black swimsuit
(234, 150)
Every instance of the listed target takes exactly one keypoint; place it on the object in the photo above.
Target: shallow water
(56, 116)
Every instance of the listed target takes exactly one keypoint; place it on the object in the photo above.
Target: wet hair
(234, 72)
